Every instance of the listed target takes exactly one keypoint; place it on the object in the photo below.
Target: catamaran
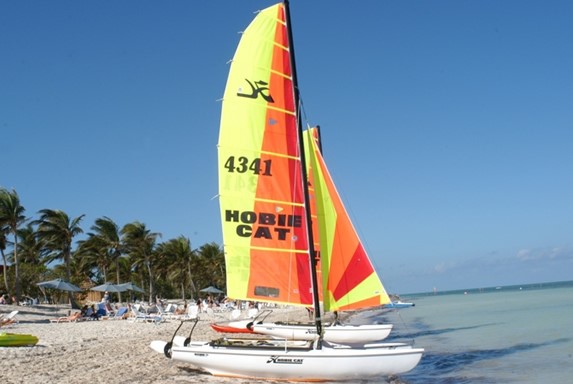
(269, 233)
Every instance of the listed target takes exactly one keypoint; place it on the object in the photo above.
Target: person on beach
(105, 297)
(94, 313)
(84, 311)
(182, 311)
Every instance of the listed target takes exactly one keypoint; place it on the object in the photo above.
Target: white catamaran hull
(330, 363)
(345, 334)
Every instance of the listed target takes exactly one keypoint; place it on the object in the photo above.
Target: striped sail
(349, 279)
(260, 180)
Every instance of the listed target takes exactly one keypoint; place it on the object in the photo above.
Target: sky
(447, 125)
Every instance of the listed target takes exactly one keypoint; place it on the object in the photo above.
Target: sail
(261, 192)
(349, 279)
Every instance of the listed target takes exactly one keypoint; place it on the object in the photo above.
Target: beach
(104, 351)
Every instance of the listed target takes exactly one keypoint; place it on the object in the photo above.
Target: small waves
(444, 367)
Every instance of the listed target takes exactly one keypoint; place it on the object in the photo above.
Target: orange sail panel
(260, 176)
(348, 277)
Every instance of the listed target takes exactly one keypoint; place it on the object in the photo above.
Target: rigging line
(405, 325)
(302, 112)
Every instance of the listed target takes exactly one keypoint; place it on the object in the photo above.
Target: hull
(233, 327)
(279, 362)
(17, 340)
(345, 334)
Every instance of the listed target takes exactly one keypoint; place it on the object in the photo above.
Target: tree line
(46, 247)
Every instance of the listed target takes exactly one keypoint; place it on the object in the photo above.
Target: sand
(104, 351)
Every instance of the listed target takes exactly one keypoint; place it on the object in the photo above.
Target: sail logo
(263, 225)
(283, 360)
(257, 88)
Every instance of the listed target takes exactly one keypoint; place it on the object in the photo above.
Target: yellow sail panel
(348, 277)
(313, 133)
(260, 175)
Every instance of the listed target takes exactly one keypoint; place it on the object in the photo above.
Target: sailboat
(268, 231)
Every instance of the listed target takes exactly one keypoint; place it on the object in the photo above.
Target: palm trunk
(117, 276)
(150, 283)
(192, 287)
(4, 270)
(16, 269)
(68, 274)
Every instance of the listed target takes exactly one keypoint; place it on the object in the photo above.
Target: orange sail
(349, 279)
(260, 172)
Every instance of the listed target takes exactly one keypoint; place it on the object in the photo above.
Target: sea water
(519, 334)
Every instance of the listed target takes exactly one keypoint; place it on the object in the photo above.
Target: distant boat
(398, 304)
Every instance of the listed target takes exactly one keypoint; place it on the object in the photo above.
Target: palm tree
(31, 267)
(177, 257)
(213, 266)
(56, 232)
(140, 245)
(3, 245)
(29, 248)
(105, 245)
(11, 217)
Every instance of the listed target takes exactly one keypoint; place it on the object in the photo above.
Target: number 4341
(242, 165)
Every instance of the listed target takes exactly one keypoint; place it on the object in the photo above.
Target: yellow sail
(349, 280)
(260, 180)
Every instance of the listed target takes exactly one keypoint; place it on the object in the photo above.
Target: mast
(312, 253)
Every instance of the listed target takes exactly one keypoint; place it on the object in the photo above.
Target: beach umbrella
(211, 289)
(59, 284)
(109, 287)
(131, 287)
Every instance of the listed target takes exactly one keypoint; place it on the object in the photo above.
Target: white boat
(282, 219)
(335, 333)
(271, 360)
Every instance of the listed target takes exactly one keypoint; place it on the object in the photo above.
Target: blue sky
(447, 125)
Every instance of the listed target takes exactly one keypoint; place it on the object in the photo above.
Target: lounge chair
(192, 312)
(144, 317)
(9, 320)
(76, 316)
(109, 310)
(120, 314)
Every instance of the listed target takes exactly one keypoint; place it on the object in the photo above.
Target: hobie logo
(263, 225)
(283, 360)
(257, 88)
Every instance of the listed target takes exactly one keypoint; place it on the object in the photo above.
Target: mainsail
(349, 279)
(260, 174)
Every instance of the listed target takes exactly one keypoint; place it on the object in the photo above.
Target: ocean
(517, 334)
